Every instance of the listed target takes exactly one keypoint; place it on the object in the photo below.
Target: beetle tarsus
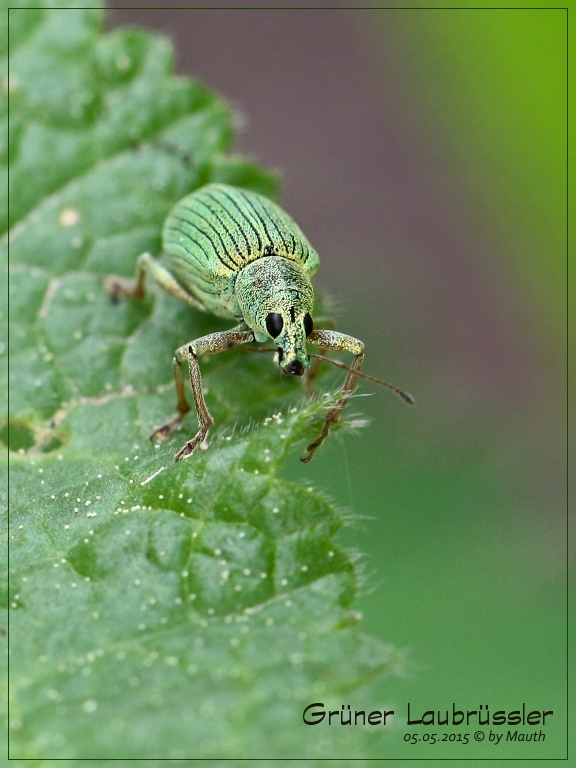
(119, 288)
(165, 430)
(332, 418)
(309, 457)
(162, 432)
(188, 449)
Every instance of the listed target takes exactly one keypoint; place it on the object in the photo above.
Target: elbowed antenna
(404, 395)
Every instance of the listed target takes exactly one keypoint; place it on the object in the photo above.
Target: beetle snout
(294, 368)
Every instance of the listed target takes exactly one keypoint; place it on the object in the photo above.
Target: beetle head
(289, 330)
(276, 298)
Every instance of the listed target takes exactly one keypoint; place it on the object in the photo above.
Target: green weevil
(238, 255)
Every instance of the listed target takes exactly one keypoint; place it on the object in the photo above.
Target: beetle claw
(190, 446)
(117, 288)
(161, 432)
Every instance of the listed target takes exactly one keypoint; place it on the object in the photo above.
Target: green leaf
(158, 610)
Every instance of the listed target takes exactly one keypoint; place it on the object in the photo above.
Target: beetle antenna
(404, 395)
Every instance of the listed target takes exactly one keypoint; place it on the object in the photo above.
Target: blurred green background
(424, 155)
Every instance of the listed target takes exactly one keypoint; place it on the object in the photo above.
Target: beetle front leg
(312, 372)
(205, 420)
(206, 345)
(337, 342)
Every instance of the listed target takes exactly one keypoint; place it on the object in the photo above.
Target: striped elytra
(215, 232)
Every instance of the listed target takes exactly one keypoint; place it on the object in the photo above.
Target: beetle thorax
(273, 285)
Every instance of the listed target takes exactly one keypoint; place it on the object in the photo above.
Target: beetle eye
(308, 324)
(274, 324)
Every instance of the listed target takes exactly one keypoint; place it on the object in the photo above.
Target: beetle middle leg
(336, 342)
(119, 287)
(205, 345)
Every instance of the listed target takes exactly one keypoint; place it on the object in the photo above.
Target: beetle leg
(182, 406)
(118, 287)
(336, 342)
(313, 371)
(205, 345)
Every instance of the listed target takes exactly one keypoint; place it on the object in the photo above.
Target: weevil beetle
(240, 256)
